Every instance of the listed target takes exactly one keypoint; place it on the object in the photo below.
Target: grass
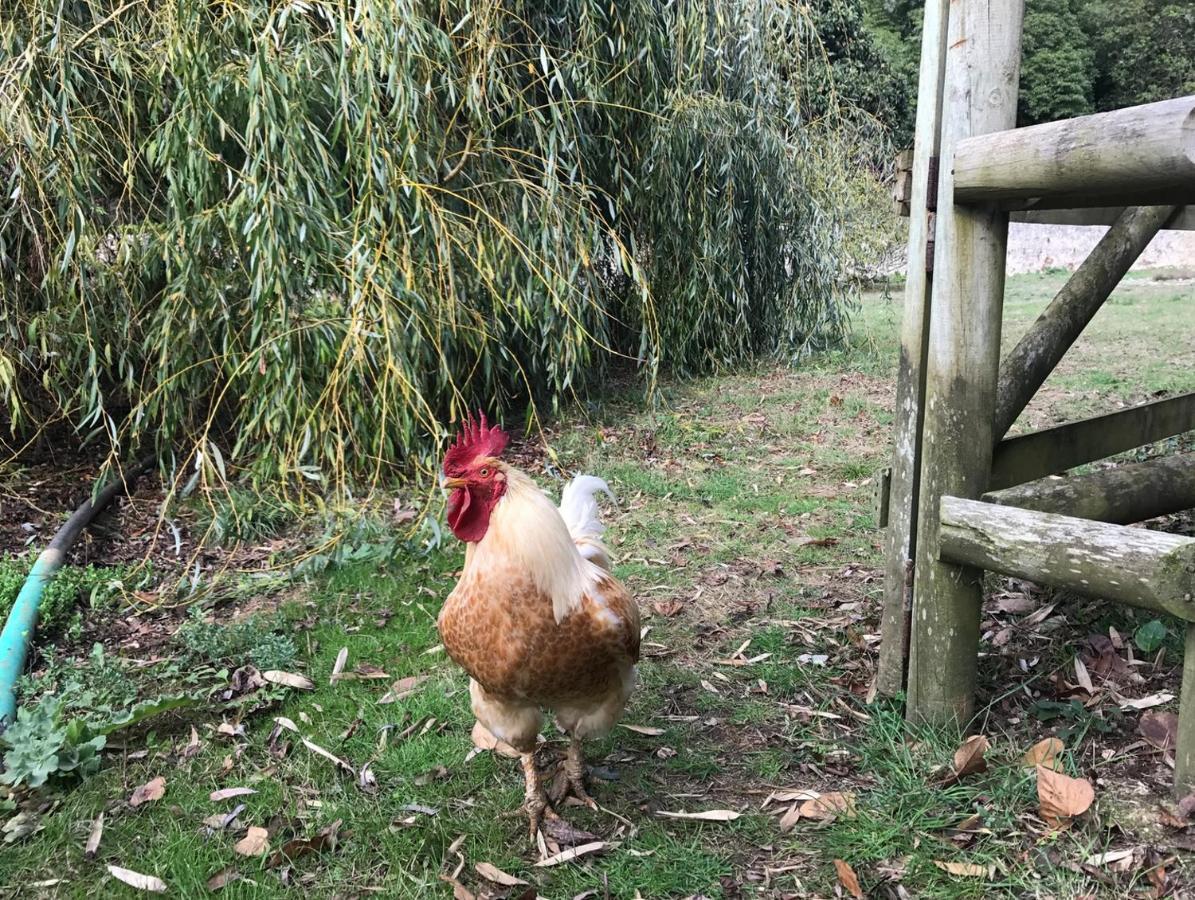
(746, 499)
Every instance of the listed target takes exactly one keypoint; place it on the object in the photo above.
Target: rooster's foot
(574, 768)
(536, 804)
(538, 812)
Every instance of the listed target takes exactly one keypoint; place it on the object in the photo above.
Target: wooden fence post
(982, 74)
(910, 383)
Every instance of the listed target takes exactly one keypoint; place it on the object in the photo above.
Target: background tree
(1057, 63)
(1144, 50)
(288, 241)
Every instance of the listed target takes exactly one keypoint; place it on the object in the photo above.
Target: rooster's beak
(449, 484)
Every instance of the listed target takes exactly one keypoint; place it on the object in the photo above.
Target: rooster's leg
(536, 802)
(574, 767)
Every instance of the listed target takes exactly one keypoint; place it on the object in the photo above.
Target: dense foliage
(1079, 56)
(291, 240)
(1058, 65)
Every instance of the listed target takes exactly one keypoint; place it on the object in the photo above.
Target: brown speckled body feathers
(499, 627)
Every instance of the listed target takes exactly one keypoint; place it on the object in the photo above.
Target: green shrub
(293, 240)
(71, 585)
(257, 640)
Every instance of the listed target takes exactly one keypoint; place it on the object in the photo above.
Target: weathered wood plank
(1036, 355)
(1183, 220)
(1122, 494)
(910, 382)
(1150, 569)
(982, 72)
(1138, 156)
(1028, 457)
(1184, 755)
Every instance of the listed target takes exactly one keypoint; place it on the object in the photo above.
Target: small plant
(1150, 636)
(43, 744)
(40, 745)
(257, 640)
(99, 586)
(95, 686)
(1080, 720)
(238, 515)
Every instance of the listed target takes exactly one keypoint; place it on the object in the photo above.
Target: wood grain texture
(982, 73)
(1027, 457)
(1139, 155)
(1122, 494)
(1184, 755)
(1150, 569)
(910, 383)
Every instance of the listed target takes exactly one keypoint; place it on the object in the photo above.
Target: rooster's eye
(484, 473)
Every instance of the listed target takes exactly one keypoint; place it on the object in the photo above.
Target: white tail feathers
(579, 509)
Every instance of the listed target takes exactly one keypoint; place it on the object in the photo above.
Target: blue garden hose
(22, 619)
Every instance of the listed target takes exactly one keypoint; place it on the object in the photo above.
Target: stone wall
(1032, 248)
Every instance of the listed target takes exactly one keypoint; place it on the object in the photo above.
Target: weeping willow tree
(288, 242)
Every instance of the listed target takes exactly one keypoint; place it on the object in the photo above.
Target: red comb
(476, 438)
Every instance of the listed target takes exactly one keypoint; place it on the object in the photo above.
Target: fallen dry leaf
(965, 870)
(709, 815)
(192, 747)
(649, 730)
(484, 740)
(136, 880)
(255, 842)
(402, 688)
(1160, 729)
(1083, 676)
(573, 853)
(817, 542)
(668, 608)
(93, 839)
(331, 757)
(459, 891)
(223, 878)
(1109, 858)
(828, 806)
(790, 796)
(152, 790)
(363, 672)
(790, 818)
(1147, 702)
(366, 780)
(230, 792)
(289, 679)
(21, 826)
(1046, 753)
(341, 658)
(325, 839)
(491, 872)
(849, 879)
(1014, 603)
(1062, 797)
(969, 758)
(566, 835)
(220, 821)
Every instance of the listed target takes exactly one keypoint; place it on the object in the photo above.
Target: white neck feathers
(527, 531)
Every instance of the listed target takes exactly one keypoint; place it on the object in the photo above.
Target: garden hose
(22, 618)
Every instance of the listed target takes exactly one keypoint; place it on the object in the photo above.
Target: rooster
(537, 619)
